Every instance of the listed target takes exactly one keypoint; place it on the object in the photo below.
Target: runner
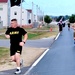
(68, 25)
(60, 26)
(15, 34)
(73, 26)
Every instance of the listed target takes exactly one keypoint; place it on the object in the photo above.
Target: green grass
(30, 35)
(2, 30)
(2, 36)
(4, 52)
(36, 34)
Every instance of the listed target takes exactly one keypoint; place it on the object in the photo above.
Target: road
(60, 59)
(40, 43)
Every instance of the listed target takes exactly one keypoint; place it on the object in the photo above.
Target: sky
(52, 7)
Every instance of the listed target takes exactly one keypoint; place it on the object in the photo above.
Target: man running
(73, 26)
(68, 25)
(60, 26)
(16, 43)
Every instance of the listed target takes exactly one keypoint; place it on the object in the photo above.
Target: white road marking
(36, 62)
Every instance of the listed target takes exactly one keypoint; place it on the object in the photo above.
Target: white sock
(18, 68)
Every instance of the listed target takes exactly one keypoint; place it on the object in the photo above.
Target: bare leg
(13, 58)
(17, 56)
(74, 38)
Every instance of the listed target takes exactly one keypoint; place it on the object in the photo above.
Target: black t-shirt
(15, 34)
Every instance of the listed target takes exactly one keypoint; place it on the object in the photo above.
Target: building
(7, 13)
(22, 15)
(3, 13)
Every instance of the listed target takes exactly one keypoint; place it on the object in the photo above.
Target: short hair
(14, 20)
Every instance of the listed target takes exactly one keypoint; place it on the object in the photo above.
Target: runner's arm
(24, 40)
(7, 36)
(25, 37)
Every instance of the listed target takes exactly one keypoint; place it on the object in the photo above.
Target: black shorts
(15, 49)
(60, 27)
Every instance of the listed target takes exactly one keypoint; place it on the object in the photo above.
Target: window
(22, 11)
(1, 7)
(15, 13)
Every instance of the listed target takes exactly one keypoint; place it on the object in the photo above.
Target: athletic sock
(18, 68)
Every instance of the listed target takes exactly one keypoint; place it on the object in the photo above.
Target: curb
(37, 61)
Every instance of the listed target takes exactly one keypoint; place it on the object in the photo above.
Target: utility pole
(43, 17)
(9, 12)
(36, 13)
(32, 13)
(21, 14)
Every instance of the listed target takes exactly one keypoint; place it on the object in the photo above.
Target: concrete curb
(39, 59)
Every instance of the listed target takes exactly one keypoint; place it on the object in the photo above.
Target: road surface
(60, 59)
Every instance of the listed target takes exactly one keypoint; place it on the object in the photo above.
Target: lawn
(36, 34)
(39, 32)
(4, 55)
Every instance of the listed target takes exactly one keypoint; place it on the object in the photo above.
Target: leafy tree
(59, 18)
(72, 18)
(66, 17)
(47, 19)
(15, 2)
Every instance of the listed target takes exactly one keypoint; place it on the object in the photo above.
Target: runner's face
(13, 24)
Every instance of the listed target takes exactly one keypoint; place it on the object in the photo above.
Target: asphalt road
(40, 43)
(60, 59)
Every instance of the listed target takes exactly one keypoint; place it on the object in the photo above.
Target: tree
(47, 19)
(59, 18)
(15, 2)
(72, 18)
(66, 17)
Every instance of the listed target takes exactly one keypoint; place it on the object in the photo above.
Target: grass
(37, 34)
(32, 35)
(4, 52)
(4, 55)
(2, 30)
(2, 36)
(43, 35)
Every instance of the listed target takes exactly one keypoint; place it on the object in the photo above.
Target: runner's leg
(17, 56)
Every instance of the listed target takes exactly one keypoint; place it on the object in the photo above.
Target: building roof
(29, 10)
(3, 1)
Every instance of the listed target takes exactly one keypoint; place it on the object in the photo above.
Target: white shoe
(18, 71)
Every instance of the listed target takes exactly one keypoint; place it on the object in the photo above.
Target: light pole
(37, 13)
(32, 13)
(9, 12)
(21, 14)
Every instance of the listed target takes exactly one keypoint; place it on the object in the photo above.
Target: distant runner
(68, 25)
(73, 26)
(60, 26)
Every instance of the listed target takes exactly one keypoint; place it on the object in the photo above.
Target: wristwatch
(23, 42)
